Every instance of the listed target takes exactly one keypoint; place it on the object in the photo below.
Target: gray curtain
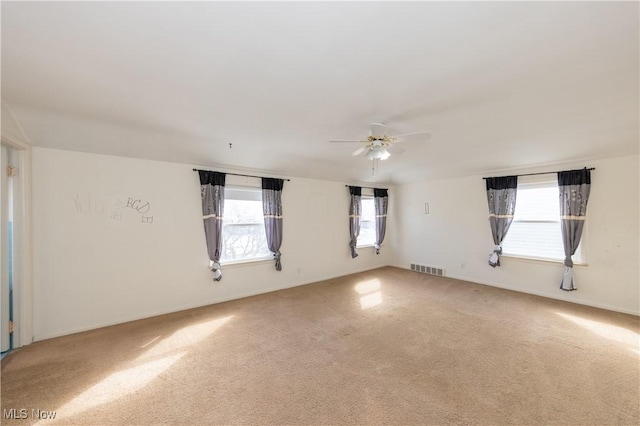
(501, 196)
(355, 210)
(381, 202)
(212, 195)
(574, 187)
(272, 209)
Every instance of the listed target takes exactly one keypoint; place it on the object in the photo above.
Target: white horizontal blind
(535, 231)
(242, 193)
(367, 235)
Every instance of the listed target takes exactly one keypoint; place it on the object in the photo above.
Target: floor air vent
(427, 269)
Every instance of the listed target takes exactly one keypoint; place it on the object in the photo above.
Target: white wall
(92, 269)
(456, 236)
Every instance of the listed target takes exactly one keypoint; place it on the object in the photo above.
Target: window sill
(366, 245)
(245, 262)
(532, 259)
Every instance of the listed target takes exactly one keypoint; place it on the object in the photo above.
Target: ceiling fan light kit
(376, 144)
(378, 153)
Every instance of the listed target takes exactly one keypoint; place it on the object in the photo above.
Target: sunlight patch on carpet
(368, 286)
(117, 385)
(370, 294)
(370, 300)
(185, 337)
(608, 331)
(149, 342)
(149, 365)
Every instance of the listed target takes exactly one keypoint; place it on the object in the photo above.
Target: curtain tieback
(568, 262)
(217, 272)
(276, 256)
(494, 259)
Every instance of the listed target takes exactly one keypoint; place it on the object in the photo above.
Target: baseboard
(537, 293)
(215, 301)
(312, 280)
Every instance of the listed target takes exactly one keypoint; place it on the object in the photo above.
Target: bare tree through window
(243, 230)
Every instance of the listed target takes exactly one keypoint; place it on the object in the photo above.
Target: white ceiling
(500, 85)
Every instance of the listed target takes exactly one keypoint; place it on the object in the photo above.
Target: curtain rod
(547, 173)
(368, 187)
(238, 174)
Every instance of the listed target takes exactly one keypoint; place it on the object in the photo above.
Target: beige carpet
(387, 346)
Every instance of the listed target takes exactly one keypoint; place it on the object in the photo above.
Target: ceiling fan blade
(400, 138)
(378, 129)
(345, 141)
(359, 151)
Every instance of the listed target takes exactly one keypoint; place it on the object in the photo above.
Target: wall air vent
(431, 270)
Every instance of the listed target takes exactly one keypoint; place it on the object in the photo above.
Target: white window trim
(368, 197)
(542, 181)
(244, 262)
(534, 259)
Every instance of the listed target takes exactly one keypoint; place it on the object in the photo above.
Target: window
(367, 235)
(535, 231)
(243, 234)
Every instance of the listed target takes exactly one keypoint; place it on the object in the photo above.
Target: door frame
(23, 254)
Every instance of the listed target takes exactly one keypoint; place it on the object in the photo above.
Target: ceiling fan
(375, 146)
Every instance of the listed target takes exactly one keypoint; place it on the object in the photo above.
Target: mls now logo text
(23, 413)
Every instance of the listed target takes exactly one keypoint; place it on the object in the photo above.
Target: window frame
(579, 258)
(258, 191)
